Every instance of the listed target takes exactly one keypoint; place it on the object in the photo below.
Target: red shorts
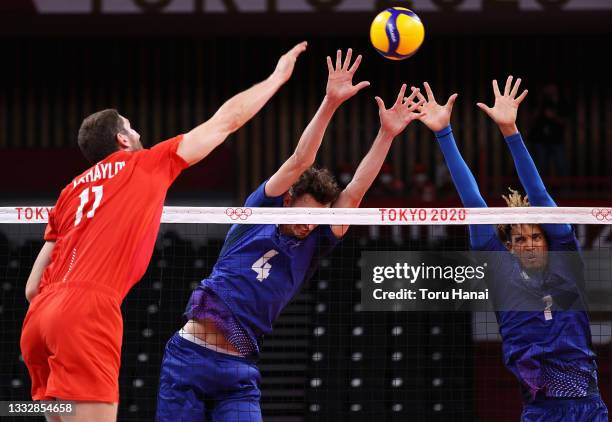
(71, 343)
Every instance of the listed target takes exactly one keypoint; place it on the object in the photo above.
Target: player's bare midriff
(207, 331)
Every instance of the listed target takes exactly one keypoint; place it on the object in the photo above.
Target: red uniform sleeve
(163, 160)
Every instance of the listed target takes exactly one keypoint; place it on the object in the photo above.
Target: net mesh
(326, 358)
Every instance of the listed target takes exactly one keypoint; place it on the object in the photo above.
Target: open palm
(340, 78)
(505, 108)
(403, 111)
(435, 116)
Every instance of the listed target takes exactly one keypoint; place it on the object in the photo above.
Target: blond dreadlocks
(513, 199)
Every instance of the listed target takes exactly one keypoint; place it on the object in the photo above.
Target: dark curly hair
(319, 183)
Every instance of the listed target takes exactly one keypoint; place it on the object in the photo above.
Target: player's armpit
(339, 231)
(286, 176)
(347, 199)
(202, 140)
(43, 259)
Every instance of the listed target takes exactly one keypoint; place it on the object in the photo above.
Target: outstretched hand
(340, 78)
(394, 120)
(435, 116)
(286, 63)
(505, 108)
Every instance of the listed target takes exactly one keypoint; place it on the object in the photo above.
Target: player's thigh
(92, 412)
(237, 410)
(52, 418)
(35, 353)
(184, 372)
(86, 349)
(587, 410)
(240, 396)
(596, 411)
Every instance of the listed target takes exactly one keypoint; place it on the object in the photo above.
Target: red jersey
(106, 221)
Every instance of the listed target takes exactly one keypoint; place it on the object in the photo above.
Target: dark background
(168, 72)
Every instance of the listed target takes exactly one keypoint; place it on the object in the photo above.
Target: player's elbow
(230, 119)
(30, 293)
(233, 123)
(351, 197)
(302, 161)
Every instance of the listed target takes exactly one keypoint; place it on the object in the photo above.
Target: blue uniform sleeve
(533, 184)
(256, 199)
(326, 242)
(259, 199)
(327, 237)
(565, 243)
(501, 270)
(480, 234)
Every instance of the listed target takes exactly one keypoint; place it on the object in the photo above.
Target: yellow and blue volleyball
(397, 33)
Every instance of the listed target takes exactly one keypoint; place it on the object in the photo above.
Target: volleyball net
(336, 351)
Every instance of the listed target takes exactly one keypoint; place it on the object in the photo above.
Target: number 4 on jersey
(262, 267)
(98, 191)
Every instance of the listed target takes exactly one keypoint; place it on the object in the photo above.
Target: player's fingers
(508, 86)
(451, 101)
(347, 60)
(412, 95)
(361, 85)
(355, 65)
(298, 49)
(522, 97)
(338, 59)
(381, 104)
(330, 66)
(430, 94)
(484, 108)
(421, 97)
(496, 88)
(400, 96)
(515, 88)
(415, 106)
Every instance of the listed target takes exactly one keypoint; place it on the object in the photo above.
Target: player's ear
(508, 245)
(287, 199)
(123, 141)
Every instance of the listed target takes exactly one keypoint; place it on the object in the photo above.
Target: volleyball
(397, 33)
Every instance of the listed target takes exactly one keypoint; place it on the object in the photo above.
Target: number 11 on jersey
(98, 192)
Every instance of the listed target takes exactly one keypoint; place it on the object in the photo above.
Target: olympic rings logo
(238, 213)
(602, 214)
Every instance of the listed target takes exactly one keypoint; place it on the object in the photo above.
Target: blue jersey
(550, 350)
(259, 270)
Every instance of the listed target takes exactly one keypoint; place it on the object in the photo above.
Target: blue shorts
(197, 382)
(587, 409)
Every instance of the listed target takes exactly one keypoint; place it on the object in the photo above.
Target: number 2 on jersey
(98, 192)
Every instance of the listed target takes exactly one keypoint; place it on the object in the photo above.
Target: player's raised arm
(237, 111)
(504, 113)
(392, 122)
(437, 118)
(42, 260)
(339, 89)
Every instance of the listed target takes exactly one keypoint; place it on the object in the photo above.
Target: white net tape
(351, 216)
